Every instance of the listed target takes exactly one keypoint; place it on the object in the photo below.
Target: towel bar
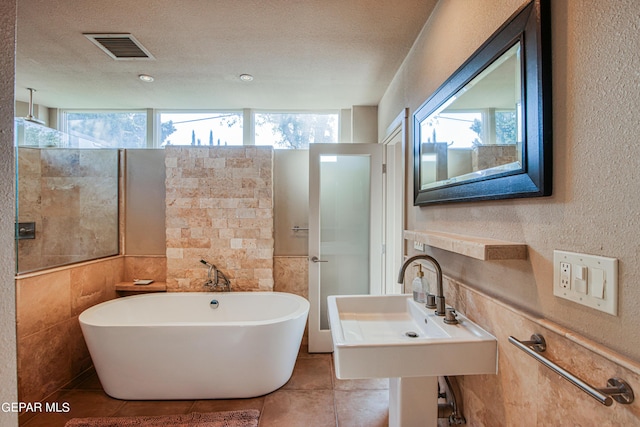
(617, 389)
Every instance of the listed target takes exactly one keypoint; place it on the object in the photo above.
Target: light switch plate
(601, 275)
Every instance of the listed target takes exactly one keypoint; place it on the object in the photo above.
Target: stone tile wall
(145, 267)
(219, 207)
(51, 348)
(492, 155)
(72, 196)
(526, 393)
(291, 274)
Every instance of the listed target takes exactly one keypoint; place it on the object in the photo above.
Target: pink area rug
(248, 418)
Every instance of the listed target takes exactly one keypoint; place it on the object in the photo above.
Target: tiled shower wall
(219, 207)
(72, 197)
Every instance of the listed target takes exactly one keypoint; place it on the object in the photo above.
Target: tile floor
(313, 397)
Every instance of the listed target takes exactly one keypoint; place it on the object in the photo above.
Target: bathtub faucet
(218, 279)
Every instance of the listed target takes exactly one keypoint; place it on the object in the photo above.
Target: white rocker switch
(597, 283)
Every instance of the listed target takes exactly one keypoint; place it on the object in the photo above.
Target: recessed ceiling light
(145, 78)
(246, 77)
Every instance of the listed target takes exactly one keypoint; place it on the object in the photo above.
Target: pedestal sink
(392, 336)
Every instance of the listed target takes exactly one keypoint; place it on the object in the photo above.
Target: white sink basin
(387, 337)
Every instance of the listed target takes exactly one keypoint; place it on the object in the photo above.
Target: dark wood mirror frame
(531, 26)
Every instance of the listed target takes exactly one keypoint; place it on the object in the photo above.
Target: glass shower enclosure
(66, 199)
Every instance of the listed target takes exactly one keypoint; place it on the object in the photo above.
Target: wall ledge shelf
(480, 248)
(129, 288)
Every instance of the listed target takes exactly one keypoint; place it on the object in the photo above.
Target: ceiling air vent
(120, 46)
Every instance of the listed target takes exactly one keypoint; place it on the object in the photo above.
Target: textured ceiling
(304, 54)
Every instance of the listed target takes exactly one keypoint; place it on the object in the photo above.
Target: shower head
(30, 117)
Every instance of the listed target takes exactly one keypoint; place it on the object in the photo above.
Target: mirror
(486, 132)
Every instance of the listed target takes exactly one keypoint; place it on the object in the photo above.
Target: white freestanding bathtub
(185, 346)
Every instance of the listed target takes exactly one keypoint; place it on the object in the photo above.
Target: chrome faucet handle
(431, 301)
(450, 318)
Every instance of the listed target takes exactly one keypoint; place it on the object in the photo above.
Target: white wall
(8, 369)
(595, 207)
(364, 122)
(291, 202)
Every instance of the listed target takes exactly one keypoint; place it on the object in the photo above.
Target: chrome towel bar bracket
(617, 389)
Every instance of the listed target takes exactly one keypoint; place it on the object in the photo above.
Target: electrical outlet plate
(589, 280)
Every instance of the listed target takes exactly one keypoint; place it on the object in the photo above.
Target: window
(106, 129)
(128, 129)
(200, 128)
(295, 130)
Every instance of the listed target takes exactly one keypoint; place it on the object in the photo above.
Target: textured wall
(8, 379)
(595, 208)
(219, 207)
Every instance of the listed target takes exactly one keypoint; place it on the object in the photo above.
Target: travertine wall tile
(51, 348)
(72, 196)
(145, 267)
(525, 392)
(291, 274)
(219, 208)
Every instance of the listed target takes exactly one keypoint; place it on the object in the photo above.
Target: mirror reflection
(477, 132)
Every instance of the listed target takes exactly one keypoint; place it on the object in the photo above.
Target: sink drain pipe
(453, 408)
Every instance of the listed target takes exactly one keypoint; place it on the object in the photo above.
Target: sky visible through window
(211, 128)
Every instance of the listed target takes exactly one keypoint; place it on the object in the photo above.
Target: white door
(345, 229)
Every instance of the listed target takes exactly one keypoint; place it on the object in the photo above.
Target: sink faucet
(217, 275)
(440, 311)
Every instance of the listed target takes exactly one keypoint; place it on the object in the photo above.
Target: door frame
(320, 340)
(394, 199)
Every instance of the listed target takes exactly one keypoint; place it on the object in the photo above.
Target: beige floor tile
(304, 352)
(364, 384)
(137, 408)
(81, 404)
(216, 405)
(297, 408)
(46, 420)
(89, 403)
(88, 381)
(311, 374)
(362, 408)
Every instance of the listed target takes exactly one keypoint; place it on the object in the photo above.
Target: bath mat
(248, 418)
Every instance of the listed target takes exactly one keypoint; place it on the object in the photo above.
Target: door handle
(316, 259)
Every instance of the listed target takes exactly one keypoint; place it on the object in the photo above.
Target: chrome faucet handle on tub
(218, 276)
